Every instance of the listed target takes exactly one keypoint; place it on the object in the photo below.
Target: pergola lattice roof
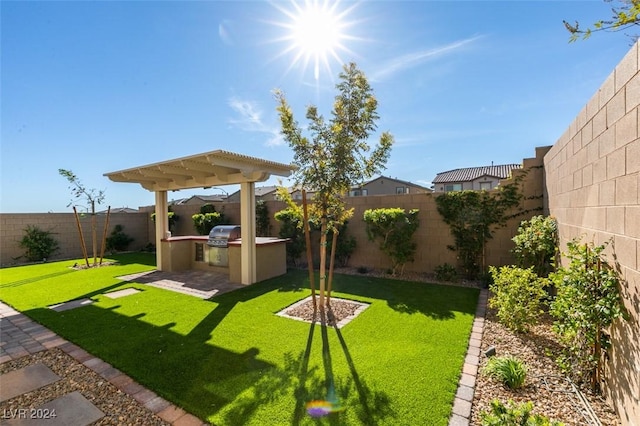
(212, 168)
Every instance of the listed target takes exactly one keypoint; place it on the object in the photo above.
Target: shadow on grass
(203, 378)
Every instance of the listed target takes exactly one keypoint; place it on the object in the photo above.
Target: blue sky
(96, 87)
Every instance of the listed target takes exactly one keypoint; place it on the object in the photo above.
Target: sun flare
(316, 32)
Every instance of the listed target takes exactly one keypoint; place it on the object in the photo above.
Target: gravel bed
(339, 310)
(118, 407)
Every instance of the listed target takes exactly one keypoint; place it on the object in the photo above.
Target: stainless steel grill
(218, 242)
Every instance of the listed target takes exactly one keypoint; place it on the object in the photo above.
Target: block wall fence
(432, 237)
(593, 190)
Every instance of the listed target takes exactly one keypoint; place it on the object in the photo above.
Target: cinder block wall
(592, 188)
(64, 229)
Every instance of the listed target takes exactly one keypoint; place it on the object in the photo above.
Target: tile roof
(468, 174)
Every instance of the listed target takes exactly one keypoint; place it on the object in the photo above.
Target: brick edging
(462, 403)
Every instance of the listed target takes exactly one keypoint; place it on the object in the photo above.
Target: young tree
(335, 156)
(92, 197)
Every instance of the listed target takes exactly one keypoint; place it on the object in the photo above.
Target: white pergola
(215, 168)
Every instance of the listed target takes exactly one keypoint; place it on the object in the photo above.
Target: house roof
(468, 174)
(405, 182)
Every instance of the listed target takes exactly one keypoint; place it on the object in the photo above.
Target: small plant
(172, 217)
(508, 369)
(446, 272)
(514, 415)
(38, 244)
(345, 245)
(517, 295)
(118, 240)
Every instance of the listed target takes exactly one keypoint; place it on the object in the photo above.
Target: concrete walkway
(20, 336)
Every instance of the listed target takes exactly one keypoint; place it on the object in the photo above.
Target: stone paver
(25, 380)
(70, 409)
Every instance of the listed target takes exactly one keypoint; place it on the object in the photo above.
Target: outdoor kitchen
(220, 252)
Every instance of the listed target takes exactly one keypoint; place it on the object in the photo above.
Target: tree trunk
(82, 244)
(334, 244)
(94, 238)
(323, 258)
(104, 235)
(307, 236)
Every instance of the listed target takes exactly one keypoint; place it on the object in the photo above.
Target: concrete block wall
(65, 230)
(593, 189)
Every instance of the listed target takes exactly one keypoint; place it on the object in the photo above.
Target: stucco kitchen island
(192, 252)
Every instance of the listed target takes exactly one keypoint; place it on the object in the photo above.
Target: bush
(118, 240)
(291, 228)
(446, 272)
(514, 415)
(507, 369)
(517, 295)
(207, 219)
(537, 244)
(38, 244)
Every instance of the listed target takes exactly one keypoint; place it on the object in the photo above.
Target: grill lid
(221, 235)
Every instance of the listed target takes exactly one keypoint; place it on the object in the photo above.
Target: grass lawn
(231, 361)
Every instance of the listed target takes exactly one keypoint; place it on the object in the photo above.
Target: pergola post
(248, 230)
(162, 226)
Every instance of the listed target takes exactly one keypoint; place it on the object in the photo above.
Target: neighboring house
(200, 200)
(384, 185)
(265, 193)
(473, 178)
(120, 210)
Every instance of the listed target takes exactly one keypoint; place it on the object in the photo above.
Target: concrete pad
(71, 305)
(24, 380)
(122, 293)
(71, 409)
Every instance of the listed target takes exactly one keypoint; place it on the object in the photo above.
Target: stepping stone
(121, 293)
(24, 380)
(73, 409)
(71, 305)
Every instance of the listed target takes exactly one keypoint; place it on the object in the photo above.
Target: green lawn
(231, 361)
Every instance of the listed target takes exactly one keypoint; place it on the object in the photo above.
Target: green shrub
(507, 369)
(118, 240)
(291, 228)
(517, 295)
(38, 244)
(345, 245)
(207, 219)
(514, 415)
(446, 272)
(587, 302)
(537, 244)
(263, 223)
